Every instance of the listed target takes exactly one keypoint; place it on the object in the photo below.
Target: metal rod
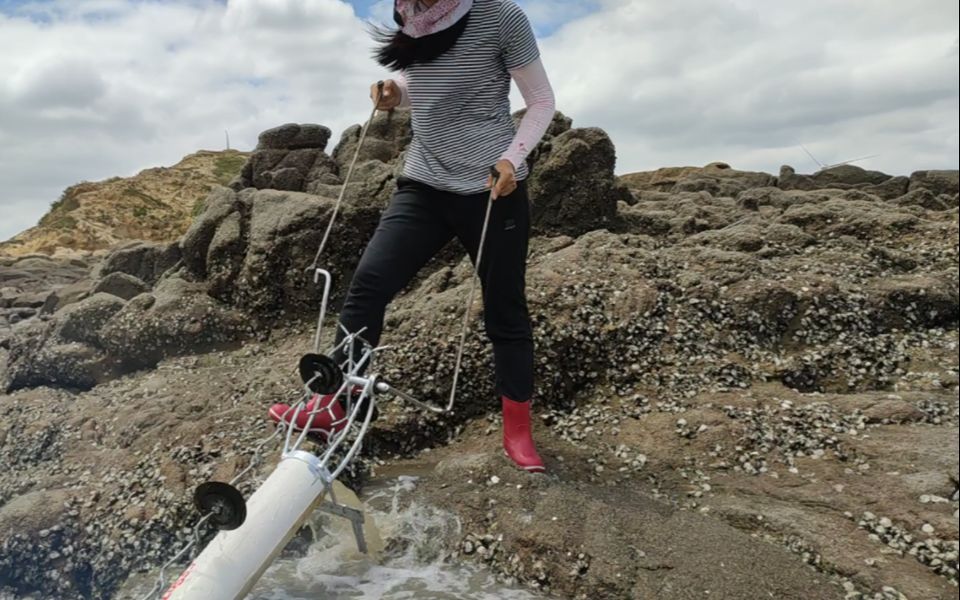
(323, 303)
(473, 288)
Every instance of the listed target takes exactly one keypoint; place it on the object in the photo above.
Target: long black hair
(398, 50)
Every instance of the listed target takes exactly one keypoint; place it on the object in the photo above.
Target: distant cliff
(156, 204)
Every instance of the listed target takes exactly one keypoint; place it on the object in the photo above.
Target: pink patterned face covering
(438, 17)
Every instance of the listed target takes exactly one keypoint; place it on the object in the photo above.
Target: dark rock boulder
(222, 262)
(285, 158)
(889, 189)
(718, 179)
(66, 295)
(755, 198)
(753, 237)
(858, 218)
(749, 236)
(573, 187)
(377, 165)
(789, 179)
(685, 213)
(28, 300)
(294, 136)
(284, 231)
(38, 357)
(101, 337)
(372, 184)
(147, 261)
(35, 286)
(220, 203)
(252, 249)
(81, 322)
(289, 172)
(924, 198)
(945, 182)
(643, 219)
(765, 306)
(848, 176)
(42, 283)
(35, 270)
(387, 137)
(292, 158)
(741, 237)
(916, 301)
(178, 317)
(121, 285)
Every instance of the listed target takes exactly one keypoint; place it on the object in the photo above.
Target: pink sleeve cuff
(538, 95)
(401, 82)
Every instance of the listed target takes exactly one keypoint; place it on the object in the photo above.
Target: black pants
(419, 221)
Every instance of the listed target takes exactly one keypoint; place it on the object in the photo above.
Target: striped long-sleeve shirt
(460, 100)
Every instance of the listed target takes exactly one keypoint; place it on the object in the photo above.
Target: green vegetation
(227, 167)
(65, 222)
(147, 198)
(66, 203)
(198, 207)
(153, 199)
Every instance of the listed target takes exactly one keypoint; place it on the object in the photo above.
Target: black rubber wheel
(320, 373)
(223, 501)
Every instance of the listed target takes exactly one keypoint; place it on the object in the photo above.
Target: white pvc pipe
(234, 560)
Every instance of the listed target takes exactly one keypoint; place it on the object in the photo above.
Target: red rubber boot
(328, 418)
(517, 439)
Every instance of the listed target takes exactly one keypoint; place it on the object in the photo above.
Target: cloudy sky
(90, 89)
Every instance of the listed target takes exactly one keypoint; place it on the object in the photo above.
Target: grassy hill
(156, 204)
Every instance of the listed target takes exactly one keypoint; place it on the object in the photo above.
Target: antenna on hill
(824, 167)
(227, 133)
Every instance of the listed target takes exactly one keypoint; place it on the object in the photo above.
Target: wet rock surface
(746, 383)
(121, 285)
(566, 533)
(104, 336)
(772, 483)
(36, 285)
(146, 261)
(258, 245)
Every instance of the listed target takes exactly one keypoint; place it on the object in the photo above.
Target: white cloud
(692, 81)
(108, 88)
(67, 83)
(95, 88)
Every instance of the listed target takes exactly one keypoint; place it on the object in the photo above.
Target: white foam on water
(429, 582)
(411, 567)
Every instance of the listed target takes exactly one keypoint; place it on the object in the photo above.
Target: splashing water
(410, 566)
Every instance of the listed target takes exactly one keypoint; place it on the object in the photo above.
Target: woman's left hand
(506, 183)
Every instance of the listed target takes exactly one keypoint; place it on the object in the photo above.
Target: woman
(454, 61)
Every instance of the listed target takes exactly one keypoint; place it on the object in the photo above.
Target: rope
(346, 180)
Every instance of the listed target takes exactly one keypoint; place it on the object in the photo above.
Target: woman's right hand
(390, 98)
